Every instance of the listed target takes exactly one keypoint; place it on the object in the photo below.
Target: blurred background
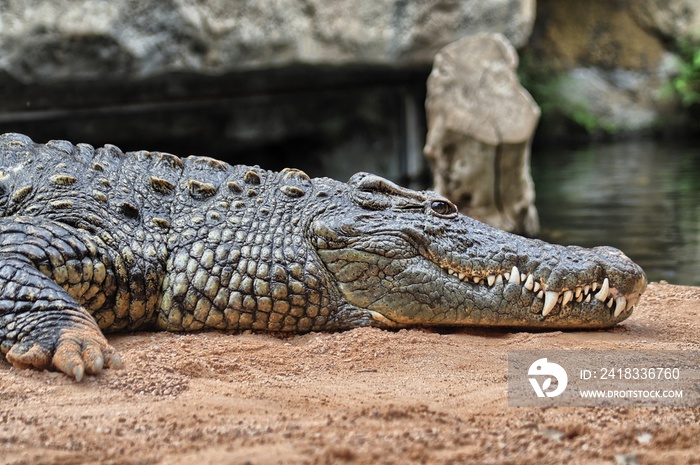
(335, 87)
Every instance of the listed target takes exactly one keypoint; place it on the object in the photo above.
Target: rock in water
(480, 125)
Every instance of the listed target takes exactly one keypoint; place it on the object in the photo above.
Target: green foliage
(590, 122)
(541, 82)
(544, 85)
(686, 84)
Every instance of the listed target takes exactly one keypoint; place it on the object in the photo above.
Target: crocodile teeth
(603, 293)
(566, 298)
(514, 276)
(620, 305)
(583, 293)
(550, 300)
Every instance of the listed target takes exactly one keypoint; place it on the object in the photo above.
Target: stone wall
(332, 86)
(605, 65)
(45, 41)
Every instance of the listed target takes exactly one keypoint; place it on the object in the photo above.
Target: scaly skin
(95, 241)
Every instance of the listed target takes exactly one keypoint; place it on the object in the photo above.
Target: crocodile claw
(84, 351)
(77, 351)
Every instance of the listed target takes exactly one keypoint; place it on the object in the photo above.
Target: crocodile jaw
(601, 288)
(409, 292)
(404, 280)
(588, 304)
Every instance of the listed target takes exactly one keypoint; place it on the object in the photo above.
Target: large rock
(480, 124)
(43, 41)
(674, 19)
(606, 65)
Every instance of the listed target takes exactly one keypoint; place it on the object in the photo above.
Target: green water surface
(642, 197)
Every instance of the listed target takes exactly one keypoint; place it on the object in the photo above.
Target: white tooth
(588, 298)
(579, 298)
(586, 289)
(514, 276)
(603, 293)
(620, 305)
(568, 295)
(529, 283)
(578, 292)
(499, 279)
(476, 279)
(540, 295)
(631, 303)
(609, 304)
(462, 276)
(550, 300)
(595, 287)
(491, 279)
(523, 277)
(451, 272)
(537, 286)
(506, 276)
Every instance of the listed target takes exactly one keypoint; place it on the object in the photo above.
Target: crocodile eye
(443, 208)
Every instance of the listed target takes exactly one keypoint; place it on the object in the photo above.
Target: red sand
(362, 396)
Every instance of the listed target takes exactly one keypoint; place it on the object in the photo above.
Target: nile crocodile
(97, 240)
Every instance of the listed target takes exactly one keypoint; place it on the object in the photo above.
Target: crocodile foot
(75, 352)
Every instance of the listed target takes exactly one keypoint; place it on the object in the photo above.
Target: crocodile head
(408, 258)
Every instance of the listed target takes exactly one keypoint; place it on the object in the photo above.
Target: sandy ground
(362, 396)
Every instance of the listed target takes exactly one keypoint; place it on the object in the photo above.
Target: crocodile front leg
(44, 268)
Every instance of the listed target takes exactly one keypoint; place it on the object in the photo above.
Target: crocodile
(94, 241)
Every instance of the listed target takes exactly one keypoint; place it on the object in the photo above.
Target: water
(642, 197)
